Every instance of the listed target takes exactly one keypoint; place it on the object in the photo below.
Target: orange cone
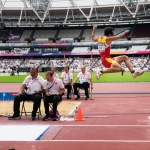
(79, 116)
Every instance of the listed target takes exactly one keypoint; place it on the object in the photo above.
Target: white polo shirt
(56, 75)
(56, 86)
(84, 77)
(33, 84)
(66, 76)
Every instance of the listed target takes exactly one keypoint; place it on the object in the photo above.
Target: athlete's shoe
(136, 74)
(98, 74)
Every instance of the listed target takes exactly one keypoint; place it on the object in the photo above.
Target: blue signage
(7, 96)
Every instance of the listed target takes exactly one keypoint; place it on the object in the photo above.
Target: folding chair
(23, 110)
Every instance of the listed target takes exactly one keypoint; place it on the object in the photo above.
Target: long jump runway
(113, 121)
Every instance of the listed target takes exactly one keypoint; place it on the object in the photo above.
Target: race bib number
(101, 47)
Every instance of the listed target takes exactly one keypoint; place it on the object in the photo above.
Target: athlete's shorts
(108, 62)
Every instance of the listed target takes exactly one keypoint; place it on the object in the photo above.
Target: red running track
(125, 126)
(98, 87)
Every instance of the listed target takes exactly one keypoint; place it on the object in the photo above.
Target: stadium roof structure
(48, 13)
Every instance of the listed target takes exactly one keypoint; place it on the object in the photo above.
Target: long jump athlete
(112, 64)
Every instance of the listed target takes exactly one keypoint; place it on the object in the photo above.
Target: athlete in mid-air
(112, 64)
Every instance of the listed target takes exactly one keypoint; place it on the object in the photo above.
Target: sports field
(112, 77)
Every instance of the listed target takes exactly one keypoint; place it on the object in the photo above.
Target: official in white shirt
(85, 81)
(67, 77)
(54, 72)
(54, 88)
(30, 90)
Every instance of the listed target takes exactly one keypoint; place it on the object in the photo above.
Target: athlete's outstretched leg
(127, 62)
(114, 68)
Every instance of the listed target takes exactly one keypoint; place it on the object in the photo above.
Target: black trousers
(84, 85)
(36, 98)
(68, 87)
(55, 99)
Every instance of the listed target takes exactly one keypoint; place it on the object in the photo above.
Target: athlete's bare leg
(126, 60)
(114, 68)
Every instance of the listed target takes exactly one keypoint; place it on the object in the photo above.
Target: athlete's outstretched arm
(114, 38)
(94, 38)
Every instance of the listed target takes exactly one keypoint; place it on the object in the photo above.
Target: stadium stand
(16, 51)
(20, 50)
(137, 62)
(33, 62)
(138, 48)
(44, 34)
(59, 62)
(99, 32)
(75, 63)
(17, 30)
(26, 34)
(79, 62)
(148, 65)
(2, 33)
(4, 51)
(141, 31)
(87, 34)
(79, 50)
(69, 33)
(7, 64)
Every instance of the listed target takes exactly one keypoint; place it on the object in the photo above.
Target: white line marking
(71, 112)
(64, 125)
(102, 125)
(100, 141)
(111, 141)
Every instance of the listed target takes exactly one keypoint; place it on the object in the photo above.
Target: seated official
(67, 77)
(85, 80)
(54, 72)
(30, 90)
(54, 89)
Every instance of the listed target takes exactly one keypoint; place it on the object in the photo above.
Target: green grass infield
(110, 77)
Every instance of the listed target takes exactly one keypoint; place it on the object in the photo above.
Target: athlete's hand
(127, 31)
(94, 27)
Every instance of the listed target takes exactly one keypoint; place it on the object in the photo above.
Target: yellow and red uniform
(104, 50)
